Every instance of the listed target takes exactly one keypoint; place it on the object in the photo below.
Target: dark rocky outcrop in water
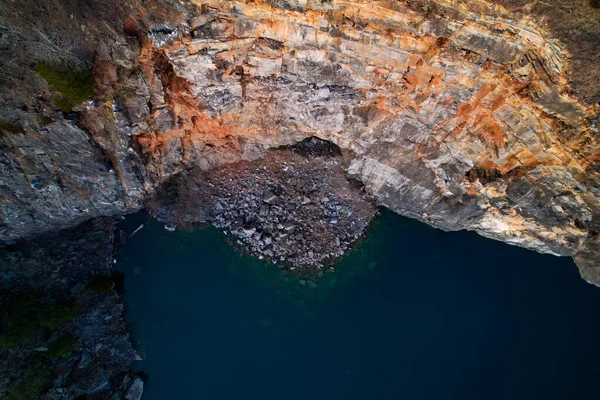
(62, 333)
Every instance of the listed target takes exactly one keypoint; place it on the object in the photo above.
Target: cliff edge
(459, 114)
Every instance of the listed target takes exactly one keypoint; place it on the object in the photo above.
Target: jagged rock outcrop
(458, 118)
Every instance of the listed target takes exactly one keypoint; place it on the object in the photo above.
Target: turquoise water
(411, 313)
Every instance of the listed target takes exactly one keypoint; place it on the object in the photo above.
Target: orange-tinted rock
(420, 103)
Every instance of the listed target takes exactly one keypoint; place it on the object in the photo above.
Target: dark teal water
(412, 313)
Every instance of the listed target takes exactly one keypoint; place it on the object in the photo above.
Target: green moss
(24, 319)
(17, 321)
(75, 85)
(10, 127)
(124, 95)
(62, 347)
(64, 104)
(36, 382)
(53, 317)
(45, 121)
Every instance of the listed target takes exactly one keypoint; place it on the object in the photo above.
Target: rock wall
(459, 117)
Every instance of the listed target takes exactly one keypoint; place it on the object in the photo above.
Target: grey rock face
(587, 261)
(54, 178)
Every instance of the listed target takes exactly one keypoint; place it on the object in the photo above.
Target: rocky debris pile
(462, 117)
(295, 206)
(62, 334)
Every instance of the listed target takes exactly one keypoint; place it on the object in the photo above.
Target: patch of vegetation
(45, 121)
(595, 3)
(100, 285)
(124, 95)
(64, 104)
(75, 85)
(62, 347)
(37, 380)
(55, 316)
(25, 318)
(16, 323)
(10, 127)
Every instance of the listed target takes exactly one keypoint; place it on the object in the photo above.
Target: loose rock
(294, 205)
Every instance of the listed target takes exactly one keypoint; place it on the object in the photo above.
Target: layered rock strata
(458, 118)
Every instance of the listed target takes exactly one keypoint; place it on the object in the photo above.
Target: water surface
(411, 313)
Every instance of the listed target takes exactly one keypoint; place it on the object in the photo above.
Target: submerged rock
(170, 228)
(135, 390)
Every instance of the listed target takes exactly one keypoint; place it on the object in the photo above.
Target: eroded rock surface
(460, 118)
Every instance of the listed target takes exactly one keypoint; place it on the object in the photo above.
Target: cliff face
(458, 116)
